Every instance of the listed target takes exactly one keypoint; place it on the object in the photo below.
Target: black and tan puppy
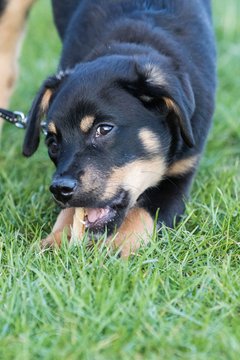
(128, 112)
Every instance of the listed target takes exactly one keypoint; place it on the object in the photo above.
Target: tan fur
(86, 123)
(149, 140)
(135, 231)
(46, 100)
(172, 106)
(62, 225)
(181, 167)
(12, 24)
(135, 177)
(52, 128)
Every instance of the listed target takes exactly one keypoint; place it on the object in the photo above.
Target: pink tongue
(95, 214)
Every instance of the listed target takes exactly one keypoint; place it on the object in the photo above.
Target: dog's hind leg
(13, 14)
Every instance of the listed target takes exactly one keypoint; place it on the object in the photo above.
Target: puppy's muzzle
(63, 188)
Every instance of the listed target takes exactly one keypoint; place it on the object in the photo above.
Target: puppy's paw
(62, 227)
(52, 241)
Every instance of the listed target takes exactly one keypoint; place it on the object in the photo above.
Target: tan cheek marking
(149, 140)
(52, 128)
(135, 231)
(87, 123)
(135, 177)
(181, 167)
(45, 100)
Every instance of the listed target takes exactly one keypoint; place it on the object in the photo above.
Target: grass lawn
(178, 299)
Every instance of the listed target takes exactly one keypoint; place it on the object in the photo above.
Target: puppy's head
(111, 125)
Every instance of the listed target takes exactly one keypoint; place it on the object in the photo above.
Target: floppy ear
(155, 85)
(38, 110)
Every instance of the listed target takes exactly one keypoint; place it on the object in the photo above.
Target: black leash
(18, 119)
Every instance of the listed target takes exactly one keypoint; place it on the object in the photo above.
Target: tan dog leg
(62, 225)
(135, 231)
(12, 23)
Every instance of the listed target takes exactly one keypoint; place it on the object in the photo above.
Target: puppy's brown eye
(53, 148)
(103, 130)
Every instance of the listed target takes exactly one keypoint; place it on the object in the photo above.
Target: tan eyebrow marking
(52, 128)
(149, 140)
(86, 123)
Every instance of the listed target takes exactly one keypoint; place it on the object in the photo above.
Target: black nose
(63, 188)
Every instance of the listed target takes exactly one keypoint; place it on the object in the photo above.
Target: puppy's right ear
(39, 108)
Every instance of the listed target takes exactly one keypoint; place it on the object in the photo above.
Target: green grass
(178, 299)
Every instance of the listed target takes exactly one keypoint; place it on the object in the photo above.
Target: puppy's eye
(103, 130)
(53, 147)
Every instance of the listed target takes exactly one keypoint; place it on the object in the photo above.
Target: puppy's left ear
(38, 110)
(156, 84)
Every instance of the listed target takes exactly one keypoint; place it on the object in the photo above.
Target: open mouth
(106, 216)
(97, 218)
(109, 216)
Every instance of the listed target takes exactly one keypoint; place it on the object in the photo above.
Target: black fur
(63, 12)
(125, 59)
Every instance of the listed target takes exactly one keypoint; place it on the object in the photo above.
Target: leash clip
(44, 127)
(16, 118)
(20, 120)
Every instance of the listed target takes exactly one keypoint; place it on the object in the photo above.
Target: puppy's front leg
(135, 231)
(62, 225)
